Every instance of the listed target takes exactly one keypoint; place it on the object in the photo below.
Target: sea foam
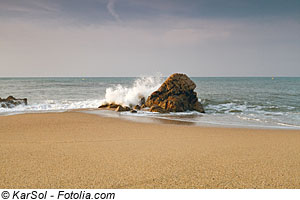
(50, 105)
(141, 87)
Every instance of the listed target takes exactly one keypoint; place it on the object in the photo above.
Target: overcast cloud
(140, 37)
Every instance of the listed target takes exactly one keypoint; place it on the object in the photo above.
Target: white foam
(228, 107)
(51, 105)
(126, 96)
(288, 125)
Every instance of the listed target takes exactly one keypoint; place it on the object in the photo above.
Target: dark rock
(104, 105)
(113, 105)
(137, 107)
(120, 109)
(127, 108)
(116, 107)
(11, 102)
(142, 101)
(176, 94)
(198, 107)
(133, 111)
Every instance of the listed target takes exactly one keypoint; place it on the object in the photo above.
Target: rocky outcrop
(137, 107)
(120, 109)
(11, 102)
(176, 94)
(156, 108)
(115, 107)
(104, 105)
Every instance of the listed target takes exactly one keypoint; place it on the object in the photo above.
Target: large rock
(11, 102)
(156, 108)
(176, 94)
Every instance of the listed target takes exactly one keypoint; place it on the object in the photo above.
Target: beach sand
(77, 150)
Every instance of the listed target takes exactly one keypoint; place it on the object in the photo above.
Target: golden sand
(76, 150)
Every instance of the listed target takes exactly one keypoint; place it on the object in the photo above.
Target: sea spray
(142, 87)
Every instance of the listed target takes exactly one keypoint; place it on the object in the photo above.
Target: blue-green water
(254, 102)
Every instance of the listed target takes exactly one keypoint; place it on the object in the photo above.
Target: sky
(49, 38)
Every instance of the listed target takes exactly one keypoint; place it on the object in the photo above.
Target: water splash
(142, 87)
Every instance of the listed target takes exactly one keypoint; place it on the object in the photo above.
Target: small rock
(127, 108)
(137, 107)
(11, 102)
(113, 105)
(120, 109)
(133, 111)
(142, 101)
(104, 105)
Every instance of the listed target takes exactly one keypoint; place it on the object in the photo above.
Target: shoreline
(156, 120)
(161, 120)
(78, 150)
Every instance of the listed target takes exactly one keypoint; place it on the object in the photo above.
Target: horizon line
(147, 75)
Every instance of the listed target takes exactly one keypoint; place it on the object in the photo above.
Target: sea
(251, 102)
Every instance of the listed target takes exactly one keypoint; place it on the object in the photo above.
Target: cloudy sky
(143, 37)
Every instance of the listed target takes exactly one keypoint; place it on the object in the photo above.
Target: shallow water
(249, 102)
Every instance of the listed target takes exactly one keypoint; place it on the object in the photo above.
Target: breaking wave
(50, 105)
(131, 95)
(226, 101)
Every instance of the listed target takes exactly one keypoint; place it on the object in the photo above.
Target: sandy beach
(77, 150)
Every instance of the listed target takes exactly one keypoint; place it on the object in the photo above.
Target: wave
(51, 105)
(220, 109)
(142, 87)
(120, 94)
(240, 106)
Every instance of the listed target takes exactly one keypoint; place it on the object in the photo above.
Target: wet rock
(127, 108)
(113, 105)
(176, 94)
(156, 108)
(120, 109)
(104, 105)
(11, 102)
(142, 101)
(198, 107)
(133, 111)
(137, 107)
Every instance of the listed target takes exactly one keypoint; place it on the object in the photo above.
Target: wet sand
(78, 150)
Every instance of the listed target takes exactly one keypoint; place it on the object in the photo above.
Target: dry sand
(77, 150)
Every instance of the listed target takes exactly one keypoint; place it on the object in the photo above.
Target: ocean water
(243, 102)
